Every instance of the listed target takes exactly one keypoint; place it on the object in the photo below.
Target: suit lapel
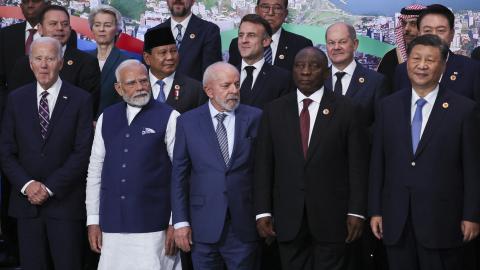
(324, 114)
(292, 121)
(207, 128)
(176, 93)
(452, 72)
(32, 108)
(328, 82)
(190, 35)
(357, 82)
(60, 105)
(241, 123)
(109, 63)
(282, 48)
(406, 122)
(259, 83)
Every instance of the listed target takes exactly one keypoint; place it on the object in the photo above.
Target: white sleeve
(170, 133)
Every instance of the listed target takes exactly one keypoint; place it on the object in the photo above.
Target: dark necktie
(178, 38)
(305, 125)
(161, 95)
(44, 114)
(248, 82)
(222, 137)
(267, 54)
(338, 84)
(417, 123)
(28, 43)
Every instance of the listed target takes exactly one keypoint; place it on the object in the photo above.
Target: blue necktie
(222, 137)
(161, 94)
(267, 54)
(179, 37)
(417, 123)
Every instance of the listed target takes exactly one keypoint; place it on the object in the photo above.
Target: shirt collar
(258, 65)
(28, 26)
(316, 97)
(184, 23)
(53, 90)
(154, 79)
(276, 36)
(214, 112)
(349, 69)
(430, 97)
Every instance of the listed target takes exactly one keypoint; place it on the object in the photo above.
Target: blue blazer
(203, 187)
(461, 75)
(60, 161)
(437, 186)
(201, 47)
(366, 89)
(108, 94)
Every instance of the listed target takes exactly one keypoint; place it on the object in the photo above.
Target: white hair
(125, 64)
(212, 70)
(46, 40)
(108, 10)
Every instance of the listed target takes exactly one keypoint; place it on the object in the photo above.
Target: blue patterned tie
(44, 114)
(161, 95)
(179, 37)
(417, 123)
(267, 54)
(222, 137)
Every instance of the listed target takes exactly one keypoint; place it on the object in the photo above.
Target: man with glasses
(284, 46)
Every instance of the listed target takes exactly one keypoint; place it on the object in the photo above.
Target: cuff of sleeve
(93, 219)
(181, 225)
(170, 221)
(259, 216)
(355, 215)
(50, 193)
(25, 187)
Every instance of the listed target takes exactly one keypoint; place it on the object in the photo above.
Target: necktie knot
(340, 75)
(220, 117)
(32, 31)
(179, 27)
(249, 70)
(306, 103)
(44, 94)
(179, 37)
(160, 83)
(421, 102)
(161, 95)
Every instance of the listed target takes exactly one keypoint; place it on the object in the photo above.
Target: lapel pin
(286, 47)
(70, 62)
(361, 80)
(65, 97)
(281, 56)
(325, 111)
(445, 105)
(177, 91)
(192, 36)
(456, 73)
(453, 78)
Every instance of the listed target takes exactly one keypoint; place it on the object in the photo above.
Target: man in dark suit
(284, 46)
(311, 171)
(260, 81)
(169, 85)
(198, 41)
(212, 176)
(461, 74)
(79, 69)
(423, 195)
(45, 145)
(348, 77)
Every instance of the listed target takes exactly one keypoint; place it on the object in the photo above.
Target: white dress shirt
(427, 108)
(97, 156)
(27, 33)
(51, 100)
(347, 78)
(156, 88)
(274, 44)
(184, 23)
(258, 66)
(229, 123)
(313, 111)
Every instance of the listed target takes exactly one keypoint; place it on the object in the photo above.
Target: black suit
(271, 83)
(79, 68)
(185, 94)
(310, 198)
(476, 53)
(201, 46)
(60, 162)
(288, 47)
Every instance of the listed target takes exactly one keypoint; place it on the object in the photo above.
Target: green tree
(130, 8)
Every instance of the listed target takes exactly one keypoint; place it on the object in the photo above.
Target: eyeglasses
(277, 9)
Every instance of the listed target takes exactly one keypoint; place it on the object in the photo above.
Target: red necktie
(31, 33)
(305, 125)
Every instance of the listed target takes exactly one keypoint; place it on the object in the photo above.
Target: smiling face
(425, 67)
(340, 46)
(163, 60)
(309, 71)
(46, 63)
(104, 28)
(55, 24)
(252, 38)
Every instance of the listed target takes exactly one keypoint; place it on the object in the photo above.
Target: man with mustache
(198, 41)
(212, 176)
(128, 183)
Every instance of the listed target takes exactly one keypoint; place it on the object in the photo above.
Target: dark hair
(285, 3)
(437, 9)
(432, 41)
(257, 19)
(41, 16)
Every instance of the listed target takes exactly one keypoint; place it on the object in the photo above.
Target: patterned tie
(44, 113)
(305, 125)
(161, 95)
(417, 123)
(267, 54)
(248, 82)
(28, 43)
(222, 137)
(179, 37)
(338, 90)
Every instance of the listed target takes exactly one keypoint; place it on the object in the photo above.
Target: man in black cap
(177, 90)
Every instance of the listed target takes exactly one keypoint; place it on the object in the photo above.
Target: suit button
(124, 165)
(127, 135)
(122, 197)
(413, 163)
(125, 150)
(123, 180)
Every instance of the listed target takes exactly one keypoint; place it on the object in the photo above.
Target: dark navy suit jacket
(203, 187)
(201, 46)
(60, 161)
(288, 47)
(437, 186)
(461, 75)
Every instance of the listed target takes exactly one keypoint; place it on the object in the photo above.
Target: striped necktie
(179, 37)
(44, 114)
(222, 137)
(267, 54)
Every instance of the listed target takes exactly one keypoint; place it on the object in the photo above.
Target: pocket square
(148, 131)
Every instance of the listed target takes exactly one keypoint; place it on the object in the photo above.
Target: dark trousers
(305, 253)
(46, 242)
(409, 254)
